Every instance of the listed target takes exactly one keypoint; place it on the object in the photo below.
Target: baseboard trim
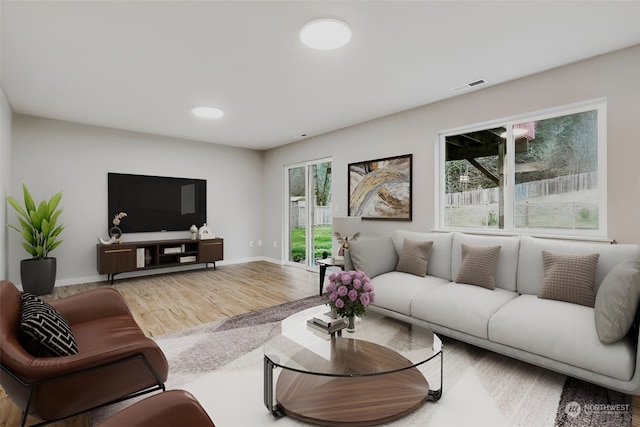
(134, 274)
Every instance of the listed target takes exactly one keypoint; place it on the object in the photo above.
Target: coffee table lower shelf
(351, 401)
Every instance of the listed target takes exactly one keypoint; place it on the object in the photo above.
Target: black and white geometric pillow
(40, 321)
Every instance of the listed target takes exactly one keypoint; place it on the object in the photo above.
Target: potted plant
(40, 231)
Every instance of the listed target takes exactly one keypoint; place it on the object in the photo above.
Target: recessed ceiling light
(325, 34)
(208, 112)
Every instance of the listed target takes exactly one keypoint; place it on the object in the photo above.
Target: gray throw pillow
(414, 258)
(569, 278)
(617, 301)
(479, 266)
(373, 256)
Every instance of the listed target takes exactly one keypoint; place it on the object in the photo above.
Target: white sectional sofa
(511, 318)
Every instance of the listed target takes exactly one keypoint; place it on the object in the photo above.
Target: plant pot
(38, 275)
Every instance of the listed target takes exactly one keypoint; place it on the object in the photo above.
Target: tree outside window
(543, 173)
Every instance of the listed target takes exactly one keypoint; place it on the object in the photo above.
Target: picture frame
(381, 189)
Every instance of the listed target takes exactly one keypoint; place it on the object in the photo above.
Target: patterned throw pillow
(569, 278)
(40, 321)
(479, 266)
(414, 258)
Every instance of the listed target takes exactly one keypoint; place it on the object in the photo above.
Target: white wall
(246, 188)
(615, 76)
(5, 178)
(51, 156)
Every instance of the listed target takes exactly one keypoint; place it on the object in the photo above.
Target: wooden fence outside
(527, 190)
(298, 214)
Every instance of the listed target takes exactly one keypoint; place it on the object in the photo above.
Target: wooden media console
(137, 256)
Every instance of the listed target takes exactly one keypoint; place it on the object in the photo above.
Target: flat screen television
(157, 203)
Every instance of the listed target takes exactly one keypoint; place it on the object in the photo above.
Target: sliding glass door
(308, 196)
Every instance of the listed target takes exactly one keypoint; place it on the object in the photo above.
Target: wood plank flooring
(169, 302)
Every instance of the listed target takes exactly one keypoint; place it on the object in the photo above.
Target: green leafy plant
(584, 214)
(39, 224)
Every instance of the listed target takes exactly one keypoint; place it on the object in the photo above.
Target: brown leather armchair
(115, 360)
(173, 408)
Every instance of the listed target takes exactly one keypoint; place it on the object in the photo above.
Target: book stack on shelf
(324, 323)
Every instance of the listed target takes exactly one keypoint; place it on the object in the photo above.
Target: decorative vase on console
(205, 232)
(194, 232)
(115, 232)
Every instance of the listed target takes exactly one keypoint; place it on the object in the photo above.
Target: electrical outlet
(275, 244)
(251, 244)
(259, 242)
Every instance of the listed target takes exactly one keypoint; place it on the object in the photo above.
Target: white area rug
(476, 393)
(221, 364)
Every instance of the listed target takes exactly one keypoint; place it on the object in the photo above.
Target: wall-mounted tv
(157, 203)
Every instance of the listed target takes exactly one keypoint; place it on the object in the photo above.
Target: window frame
(599, 105)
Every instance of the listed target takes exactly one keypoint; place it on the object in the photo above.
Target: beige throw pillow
(617, 301)
(479, 266)
(569, 277)
(414, 258)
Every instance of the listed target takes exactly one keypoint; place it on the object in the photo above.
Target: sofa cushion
(414, 258)
(440, 261)
(569, 277)
(617, 301)
(505, 277)
(394, 291)
(479, 266)
(44, 324)
(373, 256)
(465, 308)
(562, 332)
(530, 271)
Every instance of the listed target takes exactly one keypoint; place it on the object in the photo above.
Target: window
(539, 174)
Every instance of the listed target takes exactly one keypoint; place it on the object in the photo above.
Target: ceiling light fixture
(207, 112)
(325, 34)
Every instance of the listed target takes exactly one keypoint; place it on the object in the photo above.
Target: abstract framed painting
(381, 188)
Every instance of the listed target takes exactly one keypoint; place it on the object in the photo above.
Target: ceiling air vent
(470, 85)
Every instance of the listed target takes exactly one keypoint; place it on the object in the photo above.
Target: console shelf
(136, 256)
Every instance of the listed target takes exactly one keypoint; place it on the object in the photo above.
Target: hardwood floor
(169, 302)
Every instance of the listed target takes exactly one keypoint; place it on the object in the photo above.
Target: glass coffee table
(364, 378)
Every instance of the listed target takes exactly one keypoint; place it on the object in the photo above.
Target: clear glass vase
(351, 324)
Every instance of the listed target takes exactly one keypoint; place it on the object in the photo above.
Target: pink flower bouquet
(350, 292)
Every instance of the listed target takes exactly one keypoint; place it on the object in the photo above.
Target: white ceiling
(142, 65)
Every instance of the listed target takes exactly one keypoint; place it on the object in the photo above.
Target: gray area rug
(221, 364)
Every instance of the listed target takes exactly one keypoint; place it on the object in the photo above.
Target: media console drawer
(116, 258)
(210, 250)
